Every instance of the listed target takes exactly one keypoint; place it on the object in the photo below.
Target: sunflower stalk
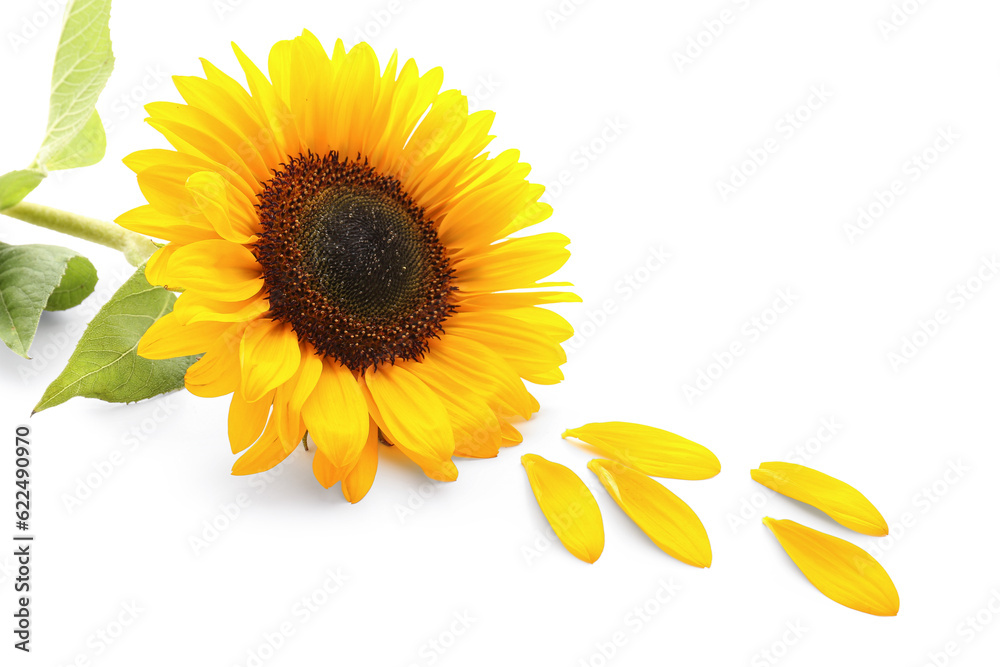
(136, 247)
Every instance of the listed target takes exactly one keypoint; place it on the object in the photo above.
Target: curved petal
(167, 338)
(416, 417)
(192, 306)
(665, 518)
(359, 480)
(247, 420)
(223, 206)
(650, 450)
(219, 269)
(265, 453)
(514, 264)
(218, 371)
(840, 570)
(842, 502)
(336, 415)
(291, 396)
(269, 355)
(568, 505)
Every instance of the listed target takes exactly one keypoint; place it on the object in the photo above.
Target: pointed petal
(337, 416)
(266, 453)
(840, 570)
(406, 407)
(292, 395)
(358, 482)
(167, 338)
(269, 355)
(247, 420)
(665, 518)
(845, 504)
(650, 450)
(568, 505)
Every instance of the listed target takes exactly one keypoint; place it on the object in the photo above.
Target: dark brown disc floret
(351, 262)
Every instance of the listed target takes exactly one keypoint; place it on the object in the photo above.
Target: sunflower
(349, 263)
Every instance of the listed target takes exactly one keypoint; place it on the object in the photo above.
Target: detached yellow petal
(841, 571)
(568, 505)
(650, 450)
(845, 504)
(665, 518)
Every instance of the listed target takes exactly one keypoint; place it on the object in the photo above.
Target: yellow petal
(840, 570)
(266, 453)
(269, 355)
(247, 420)
(220, 269)
(841, 501)
(405, 406)
(650, 450)
(337, 416)
(568, 505)
(357, 483)
(665, 518)
(167, 338)
(290, 397)
(218, 371)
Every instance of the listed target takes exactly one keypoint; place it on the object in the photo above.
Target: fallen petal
(845, 504)
(568, 505)
(665, 518)
(650, 450)
(840, 570)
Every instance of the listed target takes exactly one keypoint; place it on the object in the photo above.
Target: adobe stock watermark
(44, 14)
(778, 650)
(785, 128)
(966, 631)
(633, 623)
(708, 33)
(86, 485)
(751, 507)
(107, 635)
(929, 328)
(125, 101)
(415, 501)
(215, 526)
(911, 171)
(304, 609)
(922, 503)
(437, 646)
(898, 17)
(561, 12)
(224, 8)
(751, 332)
(583, 158)
(623, 290)
(379, 20)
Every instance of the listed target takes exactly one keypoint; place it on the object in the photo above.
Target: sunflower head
(350, 263)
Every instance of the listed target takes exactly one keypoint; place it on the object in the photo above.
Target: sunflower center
(351, 262)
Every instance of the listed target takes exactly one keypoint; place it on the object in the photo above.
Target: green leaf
(105, 364)
(77, 284)
(75, 136)
(29, 277)
(86, 148)
(15, 185)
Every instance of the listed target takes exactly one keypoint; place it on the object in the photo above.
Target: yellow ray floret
(650, 450)
(840, 570)
(568, 505)
(665, 518)
(842, 502)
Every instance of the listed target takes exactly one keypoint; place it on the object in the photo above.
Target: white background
(418, 555)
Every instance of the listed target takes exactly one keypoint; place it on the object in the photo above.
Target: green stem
(136, 247)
